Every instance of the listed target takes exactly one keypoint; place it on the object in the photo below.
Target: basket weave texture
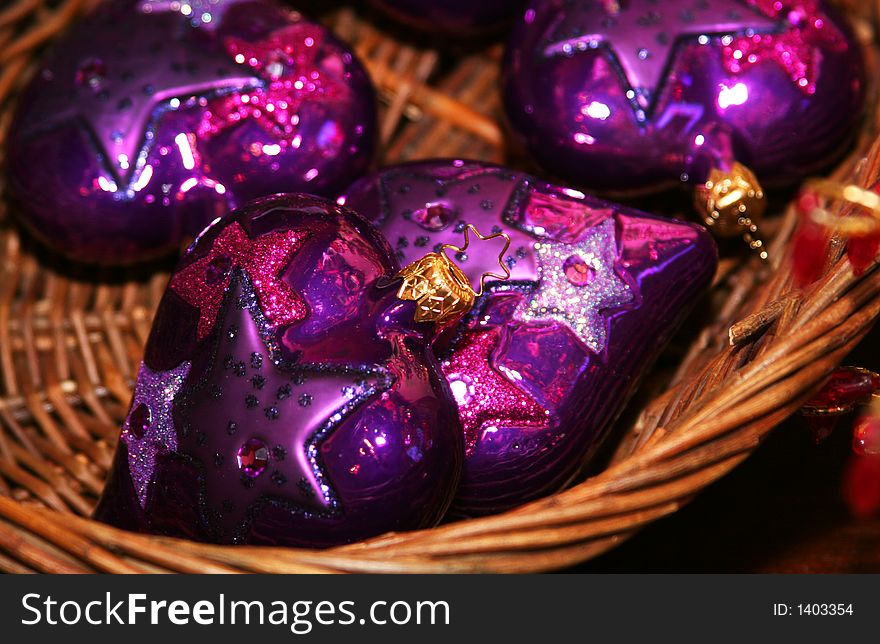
(71, 340)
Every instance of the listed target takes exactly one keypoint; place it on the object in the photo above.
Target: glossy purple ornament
(287, 396)
(629, 95)
(451, 17)
(151, 118)
(545, 361)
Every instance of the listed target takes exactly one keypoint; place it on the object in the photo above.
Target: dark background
(782, 510)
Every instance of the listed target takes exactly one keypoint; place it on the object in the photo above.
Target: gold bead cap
(732, 203)
(440, 289)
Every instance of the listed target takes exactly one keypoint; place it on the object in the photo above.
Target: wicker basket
(70, 342)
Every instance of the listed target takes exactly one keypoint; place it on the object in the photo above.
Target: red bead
(861, 486)
(866, 436)
(862, 251)
(809, 246)
(807, 202)
(846, 388)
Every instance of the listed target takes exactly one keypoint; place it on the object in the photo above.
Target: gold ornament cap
(440, 289)
(732, 203)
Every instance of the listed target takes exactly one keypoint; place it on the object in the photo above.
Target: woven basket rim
(768, 347)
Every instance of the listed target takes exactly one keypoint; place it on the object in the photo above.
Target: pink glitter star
(291, 74)
(794, 49)
(204, 282)
(485, 397)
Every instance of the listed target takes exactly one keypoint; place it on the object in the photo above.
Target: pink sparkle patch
(487, 400)
(795, 50)
(292, 75)
(204, 282)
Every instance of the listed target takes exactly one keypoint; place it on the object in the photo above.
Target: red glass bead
(846, 388)
(807, 202)
(866, 436)
(809, 246)
(862, 251)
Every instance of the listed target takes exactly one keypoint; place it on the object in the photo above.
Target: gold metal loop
(848, 192)
(467, 241)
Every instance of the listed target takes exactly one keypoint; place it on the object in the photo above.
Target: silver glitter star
(149, 428)
(577, 283)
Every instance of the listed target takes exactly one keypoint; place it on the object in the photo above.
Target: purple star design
(149, 427)
(641, 36)
(415, 226)
(494, 200)
(142, 77)
(255, 423)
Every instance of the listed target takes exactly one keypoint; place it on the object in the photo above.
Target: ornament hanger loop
(846, 192)
(501, 276)
(851, 194)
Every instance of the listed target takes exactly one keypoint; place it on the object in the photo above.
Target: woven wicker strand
(71, 340)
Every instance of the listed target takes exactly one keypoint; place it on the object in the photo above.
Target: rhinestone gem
(577, 271)
(463, 389)
(140, 420)
(253, 457)
(218, 269)
(92, 73)
(434, 216)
